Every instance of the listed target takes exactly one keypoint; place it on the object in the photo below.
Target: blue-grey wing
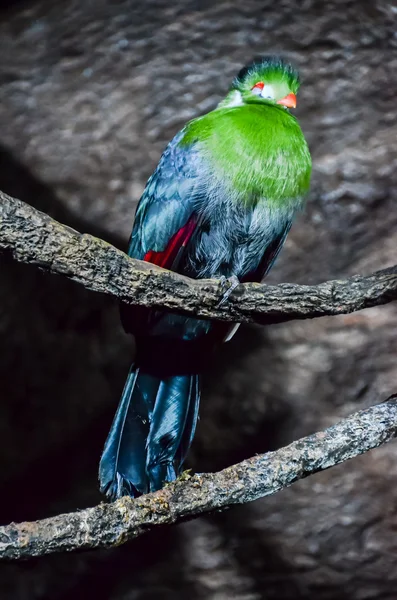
(168, 201)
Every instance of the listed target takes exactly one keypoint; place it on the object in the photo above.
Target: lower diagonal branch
(33, 237)
(109, 525)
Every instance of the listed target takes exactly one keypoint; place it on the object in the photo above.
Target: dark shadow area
(254, 420)
(8, 5)
(51, 377)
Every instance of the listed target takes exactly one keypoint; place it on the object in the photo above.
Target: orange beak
(289, 101)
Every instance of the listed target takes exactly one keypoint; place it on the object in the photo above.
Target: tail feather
(191, 420)
(150, 435)
(168, 424)
(122, 466)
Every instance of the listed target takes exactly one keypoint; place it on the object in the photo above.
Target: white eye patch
(267, 92)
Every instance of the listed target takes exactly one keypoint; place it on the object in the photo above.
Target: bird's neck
(233, 99)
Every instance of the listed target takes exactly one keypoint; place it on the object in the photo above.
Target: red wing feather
(179, 240)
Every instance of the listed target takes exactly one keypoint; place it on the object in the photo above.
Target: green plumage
(257, 149)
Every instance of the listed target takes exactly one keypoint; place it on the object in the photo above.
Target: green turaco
(219, 205)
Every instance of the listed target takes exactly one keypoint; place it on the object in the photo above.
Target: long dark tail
(151, 433)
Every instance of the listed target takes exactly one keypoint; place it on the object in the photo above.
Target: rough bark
(113, 524)
(34, 237)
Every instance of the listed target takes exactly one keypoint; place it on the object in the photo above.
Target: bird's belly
(234, 239)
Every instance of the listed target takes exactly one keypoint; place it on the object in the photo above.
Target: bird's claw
(227, 286)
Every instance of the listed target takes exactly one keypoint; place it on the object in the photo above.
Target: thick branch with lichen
(110, 525)
(33, 237)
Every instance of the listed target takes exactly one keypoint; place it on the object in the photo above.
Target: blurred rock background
(90, 93)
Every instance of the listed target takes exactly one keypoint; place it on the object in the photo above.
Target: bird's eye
(257, 88)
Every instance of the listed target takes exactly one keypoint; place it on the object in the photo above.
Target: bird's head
(267, 80)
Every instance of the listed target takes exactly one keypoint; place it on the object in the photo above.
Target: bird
(219, 205)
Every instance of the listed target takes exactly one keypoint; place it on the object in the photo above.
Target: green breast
(258, 150)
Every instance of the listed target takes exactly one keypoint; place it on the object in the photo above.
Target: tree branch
(109, 525)
(33, 237)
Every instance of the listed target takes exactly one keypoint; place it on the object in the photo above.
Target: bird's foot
(227, 286)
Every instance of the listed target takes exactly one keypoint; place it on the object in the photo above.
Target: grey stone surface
(90, 92)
